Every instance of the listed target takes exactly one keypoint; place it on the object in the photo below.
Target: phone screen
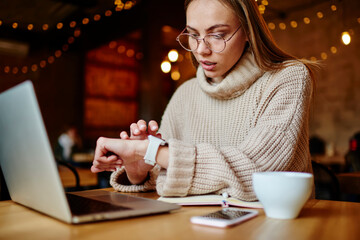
(225, 217)
(227, 214)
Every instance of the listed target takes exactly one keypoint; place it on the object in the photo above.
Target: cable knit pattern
(219, 135)
(148, 185)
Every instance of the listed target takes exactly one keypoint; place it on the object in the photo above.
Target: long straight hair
(268, 55)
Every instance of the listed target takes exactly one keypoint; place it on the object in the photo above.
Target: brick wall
(335, 116)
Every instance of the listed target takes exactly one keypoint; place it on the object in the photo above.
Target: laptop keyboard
(82, 205)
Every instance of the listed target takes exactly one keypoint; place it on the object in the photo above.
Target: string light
(175, 75)
(72, 24)
(165, 66)
(130, 53)
(34, 67)
(119, 5)
(306, 20)
(121, 49)
(282, 26)
(97, 17)
(293, 24)
(59, 25)
(345, 37)
(45, 27)
(127, 6)
(271, 26)
(108, 13)
(262, 8)
(333, 50)
(85, 21)
(70, 40)
(24, 69)
(42, 63)
(320, 15)
(173, 55)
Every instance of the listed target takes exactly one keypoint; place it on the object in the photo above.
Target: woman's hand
(140, 131)
(111, 154)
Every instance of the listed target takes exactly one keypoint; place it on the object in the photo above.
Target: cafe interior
(99, 65)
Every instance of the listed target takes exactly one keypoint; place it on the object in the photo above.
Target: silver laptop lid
(25, 151)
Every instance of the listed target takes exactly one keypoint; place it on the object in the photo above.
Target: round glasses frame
(198, 40)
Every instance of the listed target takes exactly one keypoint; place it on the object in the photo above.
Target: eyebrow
(210, 28)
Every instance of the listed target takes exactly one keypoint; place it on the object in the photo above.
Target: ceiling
(146, 12)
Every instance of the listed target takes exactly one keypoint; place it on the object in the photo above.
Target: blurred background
(99, 65)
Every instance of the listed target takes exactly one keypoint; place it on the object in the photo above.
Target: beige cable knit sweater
(220, 134)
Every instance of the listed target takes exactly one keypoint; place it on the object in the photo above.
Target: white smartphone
(225, 217)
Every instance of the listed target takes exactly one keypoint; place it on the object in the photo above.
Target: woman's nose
(203, 48)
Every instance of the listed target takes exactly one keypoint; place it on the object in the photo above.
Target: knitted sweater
(220, 134)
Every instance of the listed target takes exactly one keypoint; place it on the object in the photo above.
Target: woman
(246, 111)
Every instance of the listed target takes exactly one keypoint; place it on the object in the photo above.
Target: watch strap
(153, 147)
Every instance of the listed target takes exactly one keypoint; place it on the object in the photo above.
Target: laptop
(31, 173)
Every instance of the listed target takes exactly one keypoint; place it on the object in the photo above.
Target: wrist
(141, 148)
(137, 178)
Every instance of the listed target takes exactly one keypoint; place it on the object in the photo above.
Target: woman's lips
(208, 66)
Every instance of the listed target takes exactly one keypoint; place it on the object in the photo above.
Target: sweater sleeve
(119, 180)
(277, 141)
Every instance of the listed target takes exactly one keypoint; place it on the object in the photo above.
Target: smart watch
(153, 147)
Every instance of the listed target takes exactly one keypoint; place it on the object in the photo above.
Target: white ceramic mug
(283, 194)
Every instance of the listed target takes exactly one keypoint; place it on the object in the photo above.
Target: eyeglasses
(215, 42)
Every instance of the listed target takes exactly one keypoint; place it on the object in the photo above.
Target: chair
(74, 171)
(327, 186)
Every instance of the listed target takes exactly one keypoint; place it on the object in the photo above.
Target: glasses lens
(188, 42)
(215, 42)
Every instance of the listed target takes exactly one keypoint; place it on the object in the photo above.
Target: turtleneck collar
(239, 79)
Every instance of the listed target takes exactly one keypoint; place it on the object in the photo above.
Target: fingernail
(153, 128)
(136, 131)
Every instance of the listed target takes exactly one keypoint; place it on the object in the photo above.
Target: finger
(142, 126)
(99, 166)
(124, 135)
(96, 170)
(134, 130)
(100, 150)
(153, 127)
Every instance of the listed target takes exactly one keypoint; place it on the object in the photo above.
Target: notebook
(210, 199)
(31, 173)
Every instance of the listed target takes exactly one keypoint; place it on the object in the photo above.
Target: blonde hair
(268, 55)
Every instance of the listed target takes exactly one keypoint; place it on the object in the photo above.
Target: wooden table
(318, 220)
